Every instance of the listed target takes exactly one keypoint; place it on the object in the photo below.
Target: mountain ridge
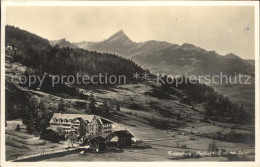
(169, 58)
(165, 57)
(63, 43)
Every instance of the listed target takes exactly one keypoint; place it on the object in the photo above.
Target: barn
(122, 138)
(98, 143)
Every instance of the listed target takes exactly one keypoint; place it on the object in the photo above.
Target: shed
(122, 138)
(97, 143)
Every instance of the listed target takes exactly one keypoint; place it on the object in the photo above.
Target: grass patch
(159, 94)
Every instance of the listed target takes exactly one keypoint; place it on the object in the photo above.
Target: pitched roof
(98, 139)
(73, 116)
(120, 134)
(104, 121)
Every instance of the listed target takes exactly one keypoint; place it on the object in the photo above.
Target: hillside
(164, 57)
(23, 38)
(36, 53)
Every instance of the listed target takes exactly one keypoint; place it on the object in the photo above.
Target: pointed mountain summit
(119, 43)
(120, 37)
(119, 33)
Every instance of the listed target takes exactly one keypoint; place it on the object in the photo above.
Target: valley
(154, 121)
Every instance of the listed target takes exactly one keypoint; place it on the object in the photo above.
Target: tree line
(215, 104)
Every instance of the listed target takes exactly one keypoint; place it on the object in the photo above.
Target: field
(160, 142)
(20, 143)
(159, 149)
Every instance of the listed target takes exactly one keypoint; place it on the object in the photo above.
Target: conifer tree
(105, 107)
(17, 127)
(92, 104)
(61, 106)
(36, 117)
(117, 106)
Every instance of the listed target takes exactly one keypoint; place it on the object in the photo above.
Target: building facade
(94, 125)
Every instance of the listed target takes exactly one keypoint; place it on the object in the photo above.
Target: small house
(98, 143)
(36, 136)
(10, 46)
(122, 138)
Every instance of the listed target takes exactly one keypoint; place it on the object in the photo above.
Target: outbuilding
(122, 138)
(97, 143)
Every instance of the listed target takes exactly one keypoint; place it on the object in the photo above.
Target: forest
(217, 105)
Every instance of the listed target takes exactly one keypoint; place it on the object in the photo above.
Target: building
(10, 46)
(107, 127)
(97, 143)
(121, 138)
(95, 125)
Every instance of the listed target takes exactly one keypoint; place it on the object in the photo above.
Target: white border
(2, 137)
(131, 3)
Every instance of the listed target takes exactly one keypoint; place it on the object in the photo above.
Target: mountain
(63, 43)
(164, 57)
(118, 43)
(36, 52)
(179, 60)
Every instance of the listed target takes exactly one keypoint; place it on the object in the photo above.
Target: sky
(224, 29)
